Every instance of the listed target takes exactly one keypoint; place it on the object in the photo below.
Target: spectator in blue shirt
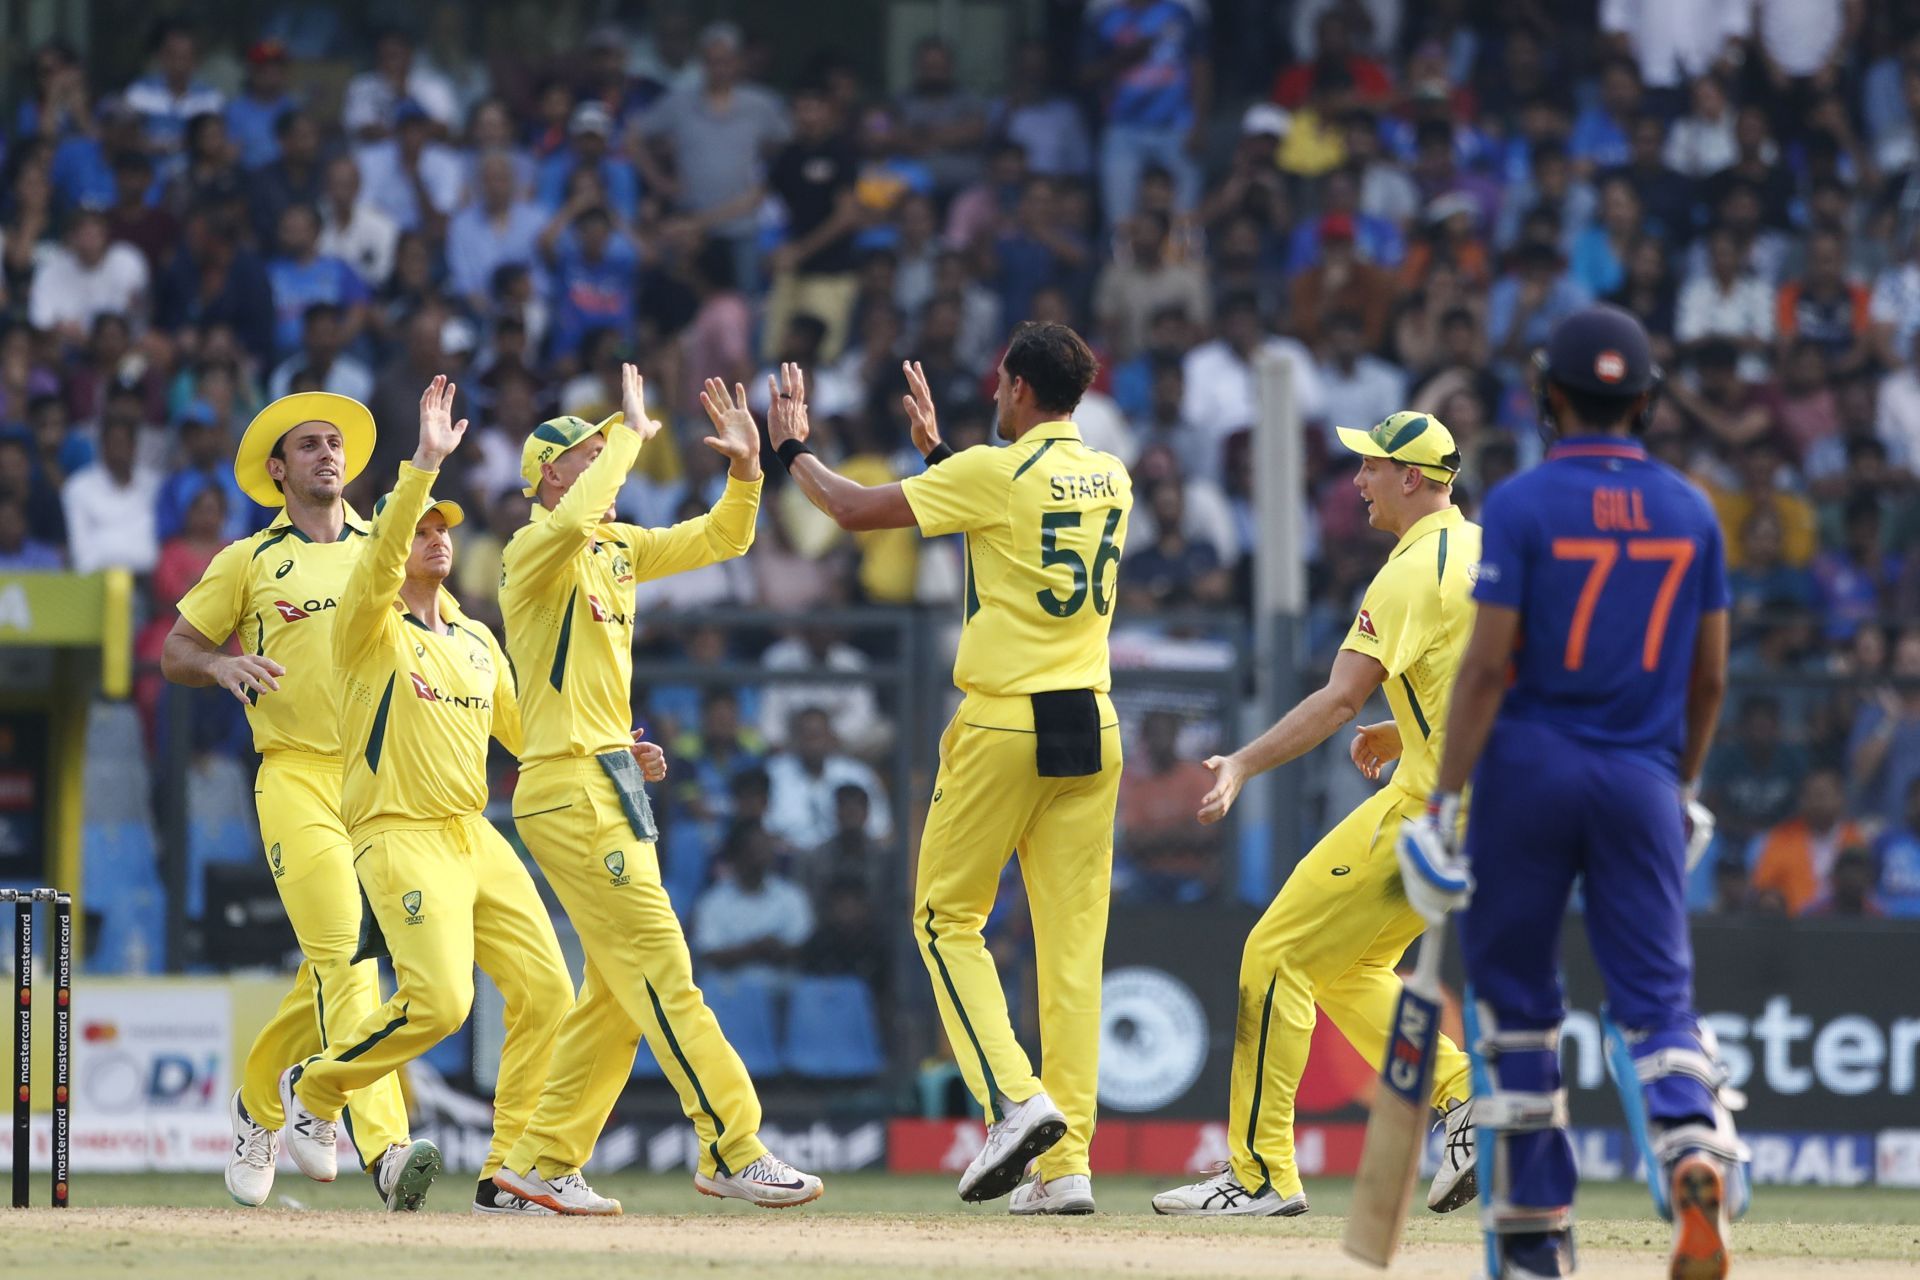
(208, 461)
(1530, 297)
(294, 176)
(1148, 59)
(496, 230)
(1898, 852)
(301, 276)
(1764, 579)
(20, 552)
(596, 275)
(1375, 240)
(588, 130)
(169, 96)
(1883, 749)
(1600, 139)
(254, 116)
(1036, 253)
(1601, 248)
(1857, 581)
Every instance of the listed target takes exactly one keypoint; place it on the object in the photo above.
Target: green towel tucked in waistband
(624, 771)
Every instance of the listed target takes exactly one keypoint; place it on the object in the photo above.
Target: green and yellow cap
(554, 437)
(1415, 439)
(449, 510)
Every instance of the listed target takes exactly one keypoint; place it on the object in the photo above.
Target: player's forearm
(835, 495)
(1477, 694)
(189, 660)
(723, 533)
(1316, 718)
(377, 575)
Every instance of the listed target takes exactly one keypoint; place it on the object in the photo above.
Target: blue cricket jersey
(1610, 558)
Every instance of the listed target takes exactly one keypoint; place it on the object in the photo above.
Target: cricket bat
(1397, 1126)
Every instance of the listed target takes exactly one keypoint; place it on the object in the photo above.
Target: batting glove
(1699, 824)
(1431, 868)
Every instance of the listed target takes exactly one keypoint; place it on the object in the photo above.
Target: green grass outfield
(183, 1227)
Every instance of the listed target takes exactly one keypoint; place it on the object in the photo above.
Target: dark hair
(284, 122)
(1598, 412)
(320, 311)
(1862, 507)
(1054, 361)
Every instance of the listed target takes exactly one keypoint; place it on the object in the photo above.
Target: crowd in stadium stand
(1417, 195)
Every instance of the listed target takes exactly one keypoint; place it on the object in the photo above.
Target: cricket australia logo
(617, 865)
(411, 901)
(273, 856)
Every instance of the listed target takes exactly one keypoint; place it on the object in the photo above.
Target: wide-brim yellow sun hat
(554, 437)
(450, 511)
(1415, 439)
(353, 419)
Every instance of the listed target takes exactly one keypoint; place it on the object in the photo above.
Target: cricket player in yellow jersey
(421, 689)
(1031, 761)
(278, 591)
(566, 593)
(1341, 921)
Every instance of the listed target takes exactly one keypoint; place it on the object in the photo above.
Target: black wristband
(788, 450)
(939, 454)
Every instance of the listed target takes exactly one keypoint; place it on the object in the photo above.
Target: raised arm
(727, 530)
(374, 583)
(545, 545)
(852, 505)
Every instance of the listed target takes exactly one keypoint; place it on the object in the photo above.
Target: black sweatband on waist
(1066, 726)
(788, 450)
(939, 454)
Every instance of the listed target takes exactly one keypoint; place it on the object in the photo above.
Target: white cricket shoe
(1071, 1195)
(489, 1198)
(250, 1167)
(1223, 1196)
(310, 1140)
(404, 1174)
(1455, 1183)
(567, 1194)
(1028, 1130)
(769, 1182)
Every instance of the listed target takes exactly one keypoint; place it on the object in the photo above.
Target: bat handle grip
(1426, 967)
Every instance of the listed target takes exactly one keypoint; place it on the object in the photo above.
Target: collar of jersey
(450, 613)
(1063, 429)
(284, 524)
(1598, 447)
(1445, 518)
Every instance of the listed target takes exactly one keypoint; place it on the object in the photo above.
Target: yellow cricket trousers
(989, 802)
(1331, 938)
(297, 794)
(448, 894)
(638, 983)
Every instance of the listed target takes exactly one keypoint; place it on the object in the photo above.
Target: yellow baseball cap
(1415, 439)
(354, 420)
(554, 437)
(449, 510)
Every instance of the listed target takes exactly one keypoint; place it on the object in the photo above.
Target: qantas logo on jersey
(427, 693)
(1364, 625)
(290, 612)
(601, 613)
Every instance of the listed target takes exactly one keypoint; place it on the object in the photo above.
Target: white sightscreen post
(1269, 826)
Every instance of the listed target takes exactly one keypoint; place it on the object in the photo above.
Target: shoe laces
(769, 1168)
(570, 1182)
(322, 1130)
(1220, 1173)
(256, 1149)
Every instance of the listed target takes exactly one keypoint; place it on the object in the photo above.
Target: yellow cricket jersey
(1414, 620)
(280, 591)
(566, 596)
(1045, 519)
(416, 706)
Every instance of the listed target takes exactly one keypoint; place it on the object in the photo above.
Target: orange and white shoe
(1699, 1219)
(567, 1194)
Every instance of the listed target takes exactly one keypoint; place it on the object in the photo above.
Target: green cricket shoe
(405, 1173)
